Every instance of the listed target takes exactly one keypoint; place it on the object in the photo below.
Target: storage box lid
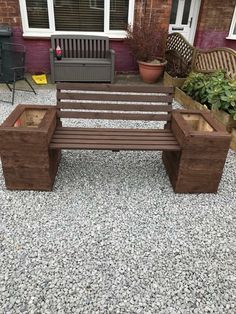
(5, 31)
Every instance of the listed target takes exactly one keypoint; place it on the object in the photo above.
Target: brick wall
(161, 8)
(214, 24)
(216, 15)
(10, 12)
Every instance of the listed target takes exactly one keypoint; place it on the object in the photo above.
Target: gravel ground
(112, 237)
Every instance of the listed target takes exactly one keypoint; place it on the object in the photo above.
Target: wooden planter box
(233, 140)
(27, 162)
(198, 167)
(169, 80)
(189, 103)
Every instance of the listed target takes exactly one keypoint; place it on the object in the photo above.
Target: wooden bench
(84, 58)
(194, 145)
(182, 56)
(100, 101)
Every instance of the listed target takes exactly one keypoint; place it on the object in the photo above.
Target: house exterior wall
(214, 24)
(210, 32)
(37, 55)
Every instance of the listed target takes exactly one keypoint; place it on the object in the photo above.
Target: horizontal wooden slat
(113, 116)
(125, 139)
(97, 132)
(113, 107)
(111, 130)
(114, 147)
(113, 97)
(136, 141)
(109, 136)
(115, 88)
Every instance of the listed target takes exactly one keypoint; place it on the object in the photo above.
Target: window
(42, 18)
(232, 31)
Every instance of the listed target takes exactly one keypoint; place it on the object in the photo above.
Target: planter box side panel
(173, 81)
(233, 141)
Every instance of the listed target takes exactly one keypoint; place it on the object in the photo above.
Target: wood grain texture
(199, 166)
(113, 102)
(28, 164)
(114, 88)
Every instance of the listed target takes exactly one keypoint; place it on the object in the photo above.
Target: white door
(184, 16)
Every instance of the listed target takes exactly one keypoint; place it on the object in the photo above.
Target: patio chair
(13, 68)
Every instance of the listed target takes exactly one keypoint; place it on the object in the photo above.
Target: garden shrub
(213, 90)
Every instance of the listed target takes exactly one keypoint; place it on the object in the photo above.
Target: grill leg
(13, 89)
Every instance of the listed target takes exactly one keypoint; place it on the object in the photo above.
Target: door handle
(177, 28)
(190, 22)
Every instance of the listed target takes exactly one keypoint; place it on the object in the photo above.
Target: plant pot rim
(163, 62)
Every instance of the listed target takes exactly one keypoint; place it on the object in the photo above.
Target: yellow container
(40, 79)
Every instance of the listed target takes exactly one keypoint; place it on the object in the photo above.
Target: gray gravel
(113, 238)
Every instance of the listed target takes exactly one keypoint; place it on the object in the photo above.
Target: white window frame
(233, 23)
(46, 33)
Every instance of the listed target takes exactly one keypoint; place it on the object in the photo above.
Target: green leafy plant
(213, 90)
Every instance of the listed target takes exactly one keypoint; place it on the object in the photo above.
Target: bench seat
(113, 139)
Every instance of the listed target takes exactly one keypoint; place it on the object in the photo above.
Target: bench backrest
(114, 102)
(216, 59)
(81, 46)
(180, 53)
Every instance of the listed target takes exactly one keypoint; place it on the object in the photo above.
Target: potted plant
(146, 42)
(177, 69)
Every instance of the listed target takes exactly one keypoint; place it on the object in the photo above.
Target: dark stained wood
(114, 130)
(115, 147)
(27, 161)
(113, 139)
(114, 107)
(113, 97)
(194, 145)
(115, 88)
(145, 102)
(198, 167)
(113, 116)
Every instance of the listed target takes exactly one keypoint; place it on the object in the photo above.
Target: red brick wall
(214, 24)
(9, 12)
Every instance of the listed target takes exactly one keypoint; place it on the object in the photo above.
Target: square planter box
(198, 167)
(169, 80)
(189, 103)
(25, 135)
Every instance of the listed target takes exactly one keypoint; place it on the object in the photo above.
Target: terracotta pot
(150, 72)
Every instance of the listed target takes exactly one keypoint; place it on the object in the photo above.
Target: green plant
(213, 90)
(196, 85)
(146, 40)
